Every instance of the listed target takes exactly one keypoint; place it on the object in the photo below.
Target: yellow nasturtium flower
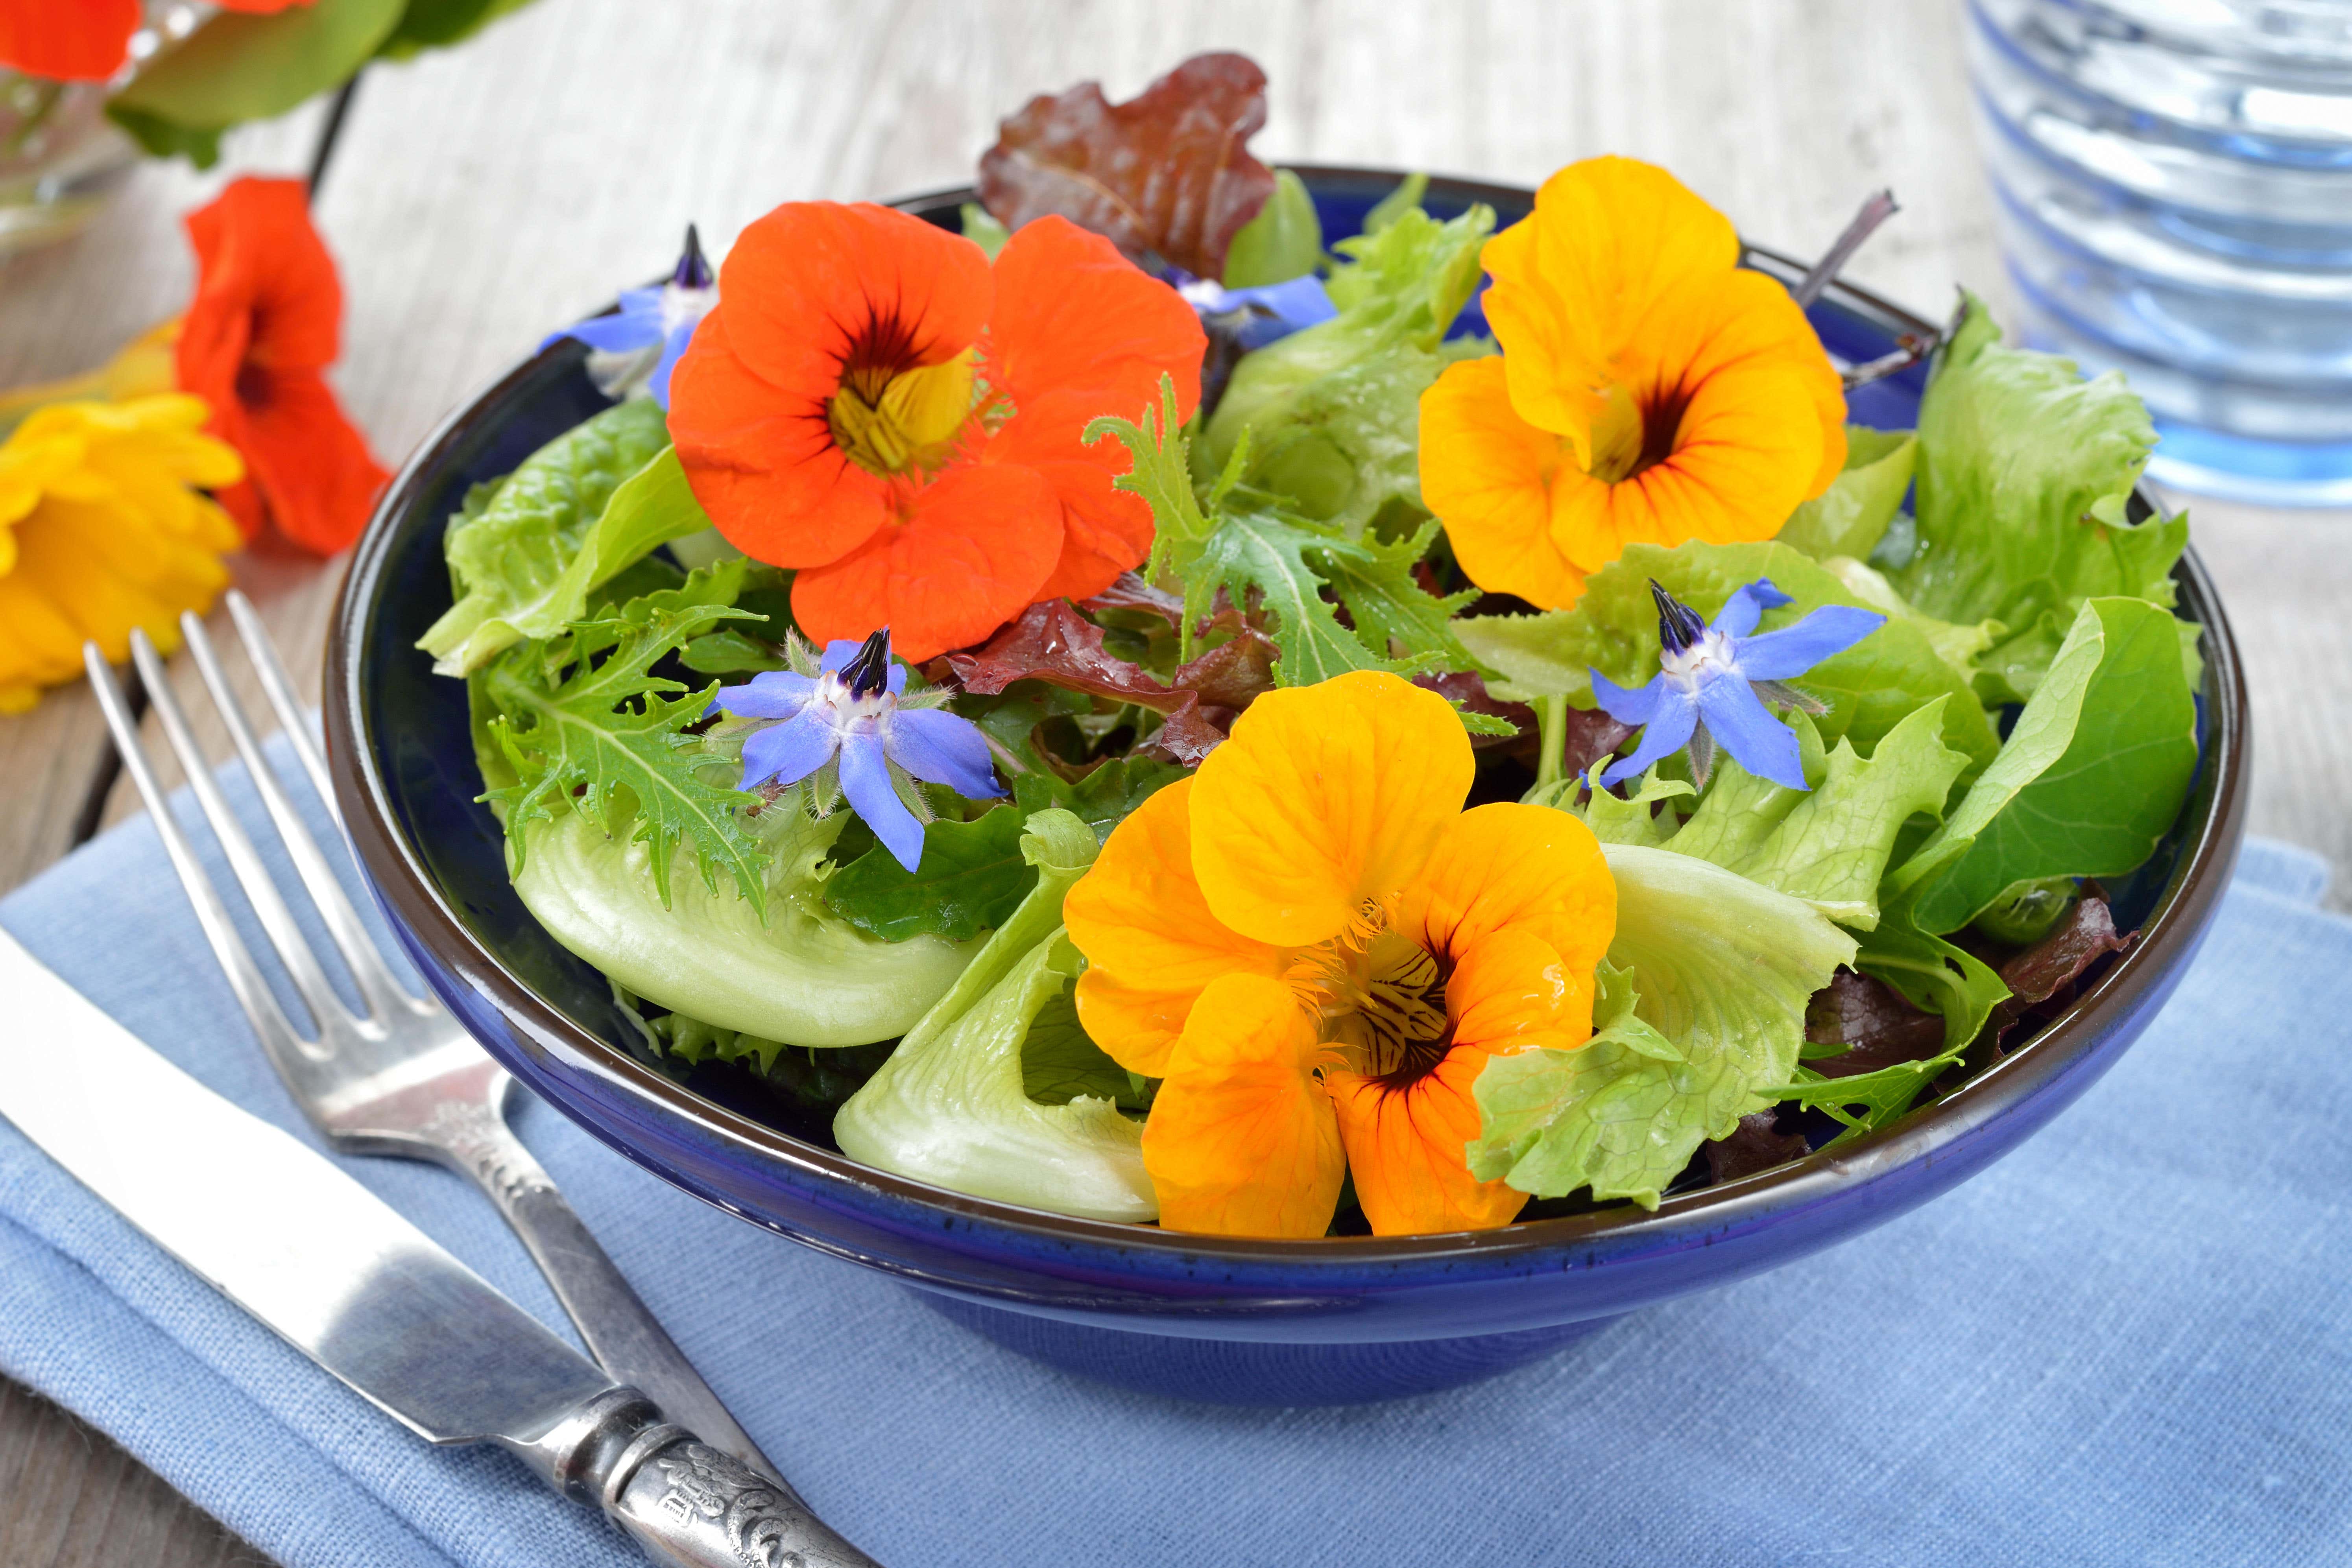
(103, 529)
(1318, 950)
(1649, 391)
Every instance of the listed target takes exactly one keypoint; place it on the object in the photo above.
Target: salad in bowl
(1104, 701)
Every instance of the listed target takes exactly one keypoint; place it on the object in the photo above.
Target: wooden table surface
(477, 198)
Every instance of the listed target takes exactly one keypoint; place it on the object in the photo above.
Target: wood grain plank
(70, 1499)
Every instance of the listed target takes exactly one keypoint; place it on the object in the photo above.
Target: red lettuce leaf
(1755, 1144)
(1875, 1019)
(1465, 689)
(2041, 979)
(1166, 176)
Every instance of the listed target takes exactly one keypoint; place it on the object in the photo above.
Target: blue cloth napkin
(2128, 1342)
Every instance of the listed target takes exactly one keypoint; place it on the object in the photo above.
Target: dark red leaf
(2043, 977)
(1166, 176)
(1191, 732)
(1874, 1017)
(1131, 592)
(1232, 675)
(1754, 1145)
(1587, 737)
(1053, 643)
(1466, 688)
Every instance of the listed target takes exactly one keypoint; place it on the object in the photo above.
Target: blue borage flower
(640, 343)
(849, 724)
(1268, 312)
(1714, 681)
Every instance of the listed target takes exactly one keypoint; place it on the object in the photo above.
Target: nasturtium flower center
(1631, 436)
(896, 421)
(1379, 997)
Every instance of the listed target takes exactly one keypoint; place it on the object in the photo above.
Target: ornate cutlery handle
(684, 1503)
(620, 1330)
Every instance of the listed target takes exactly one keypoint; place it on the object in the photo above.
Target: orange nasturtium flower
(873, 404)
(265, 324)
(1649, 391)
(104, 527)
(1317, 950)
(82, 40)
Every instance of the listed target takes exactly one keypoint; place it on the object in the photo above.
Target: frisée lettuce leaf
(1716, 972)
(951, 1104)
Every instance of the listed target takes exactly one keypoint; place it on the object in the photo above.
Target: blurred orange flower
(1649, 391)
(1318, 950)
(874, 405)
(83, 40)
(265, 324)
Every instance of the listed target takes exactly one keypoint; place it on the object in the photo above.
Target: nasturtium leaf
(1723, 969)
(1283, 242)
(797, 977)
(2023, 473)
(2091, 777)
(1827, 845)
(1166, 177)
(1870, 688)
(241, 65)
(951, 1105)
(515, 564)
(1852, 515)
(970, 879)
(1332, 414)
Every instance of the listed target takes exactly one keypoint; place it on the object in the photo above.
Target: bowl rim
(2175, 925)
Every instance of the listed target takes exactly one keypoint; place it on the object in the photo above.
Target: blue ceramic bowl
(1282, 1323)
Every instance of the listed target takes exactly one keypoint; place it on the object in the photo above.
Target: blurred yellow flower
(144, 366)
(103, 529)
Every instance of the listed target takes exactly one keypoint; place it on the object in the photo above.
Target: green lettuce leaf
(586, 727)
(577, 511)
(241, 65)
(971, 877)
(1285, 561)
(951, 1105)
(1060, 1061)
(1721, 970)
(1960, 646)
(1870, 688)
(799, 978)
(1332, 414)
(1283, 242)
(2091, 776)
(1932, 974)
(1850, 516)
(1629, 821)
(2025, 470)
(1827, 845)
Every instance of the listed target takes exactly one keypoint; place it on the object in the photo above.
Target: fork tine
(328, 1015)
(268, 1020)
(279, 687)
(382, 993)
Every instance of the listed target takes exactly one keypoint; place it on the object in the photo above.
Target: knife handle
(684, 1503)
(688, 1504)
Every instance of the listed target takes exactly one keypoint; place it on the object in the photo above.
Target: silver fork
(401, 1077)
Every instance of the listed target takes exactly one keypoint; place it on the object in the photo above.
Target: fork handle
(620, 1331)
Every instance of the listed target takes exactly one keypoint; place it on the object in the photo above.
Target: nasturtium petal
(1492, 474)
(1513, 989)
(1242, 1139)
(1151, 944)
(1505, 867)
(1326, 798)
(1405, 1150)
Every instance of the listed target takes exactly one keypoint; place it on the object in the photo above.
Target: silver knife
(285, 1234)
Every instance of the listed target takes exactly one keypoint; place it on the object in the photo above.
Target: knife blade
(286, 1234)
